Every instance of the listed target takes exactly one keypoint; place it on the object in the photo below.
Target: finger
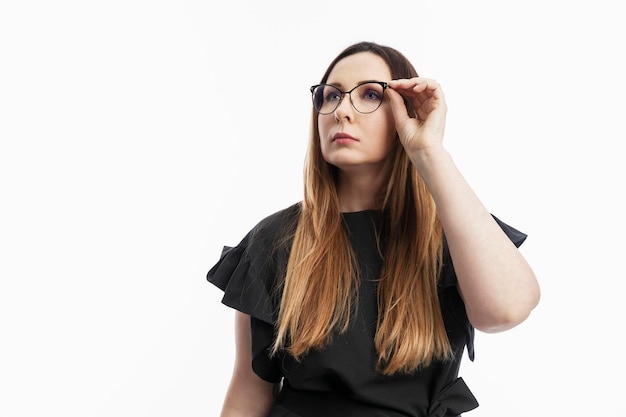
(407, 83)
(429, 88)
(404, 85)
(419, 90)
(398, 107)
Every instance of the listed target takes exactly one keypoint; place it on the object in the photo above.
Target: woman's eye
(333, 96)
(371, 95)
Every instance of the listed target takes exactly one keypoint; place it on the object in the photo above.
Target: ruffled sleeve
(454, 399)
(448, 281)
(244, 287)
(515, 235)
(250, 275)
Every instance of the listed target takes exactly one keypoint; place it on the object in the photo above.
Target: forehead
(363, 66)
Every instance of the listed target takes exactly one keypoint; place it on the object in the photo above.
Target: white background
(139, 137)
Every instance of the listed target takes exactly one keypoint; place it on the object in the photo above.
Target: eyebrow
(340, 85)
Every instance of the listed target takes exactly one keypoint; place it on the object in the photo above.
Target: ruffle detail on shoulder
(514, 235)
(454, 399)
(250, 274)
(244, 289)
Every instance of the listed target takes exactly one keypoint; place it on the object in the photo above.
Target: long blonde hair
(321, 281)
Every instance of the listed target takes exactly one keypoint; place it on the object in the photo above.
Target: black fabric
(250, 275)
(451, 401)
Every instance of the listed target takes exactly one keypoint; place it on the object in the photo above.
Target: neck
(358, 192)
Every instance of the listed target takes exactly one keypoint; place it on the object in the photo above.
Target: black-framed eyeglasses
(367, 98)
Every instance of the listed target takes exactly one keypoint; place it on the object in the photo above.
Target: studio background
(139, 137)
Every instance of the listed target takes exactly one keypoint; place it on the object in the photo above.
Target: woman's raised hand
(427, 128)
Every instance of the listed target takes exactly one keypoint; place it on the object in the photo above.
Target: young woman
(360, 299)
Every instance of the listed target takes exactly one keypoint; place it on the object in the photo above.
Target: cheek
(323, 127)
(387, 131)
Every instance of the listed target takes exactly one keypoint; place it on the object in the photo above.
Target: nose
(344, 109)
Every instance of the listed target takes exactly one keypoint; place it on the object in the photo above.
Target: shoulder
(273, 233)
(277, 225)
(249, 272)
(280, 218)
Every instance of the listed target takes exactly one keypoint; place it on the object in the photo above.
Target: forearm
(497, 284)
(248, 395)
(247, 400)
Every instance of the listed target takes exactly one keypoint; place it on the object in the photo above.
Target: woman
(359, 300)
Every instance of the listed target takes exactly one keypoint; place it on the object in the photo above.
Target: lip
(342, 137)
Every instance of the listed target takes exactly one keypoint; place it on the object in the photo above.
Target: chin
(342, 163)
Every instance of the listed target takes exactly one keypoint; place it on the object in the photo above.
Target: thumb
(398, 107)
(405, 125)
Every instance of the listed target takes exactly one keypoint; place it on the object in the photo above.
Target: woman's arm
(497, 285)
(248, 395)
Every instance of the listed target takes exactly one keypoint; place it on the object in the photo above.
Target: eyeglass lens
(365, 98)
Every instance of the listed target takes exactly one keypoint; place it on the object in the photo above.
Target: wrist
(427, 158)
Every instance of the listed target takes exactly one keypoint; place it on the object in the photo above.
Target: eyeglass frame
(383, 84)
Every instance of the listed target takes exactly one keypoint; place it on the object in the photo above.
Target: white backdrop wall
(139, 137)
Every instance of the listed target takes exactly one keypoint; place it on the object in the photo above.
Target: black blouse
(341, 380)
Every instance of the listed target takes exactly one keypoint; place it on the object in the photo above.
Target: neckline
(368, 212)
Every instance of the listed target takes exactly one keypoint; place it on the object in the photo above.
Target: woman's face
(350, 140)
